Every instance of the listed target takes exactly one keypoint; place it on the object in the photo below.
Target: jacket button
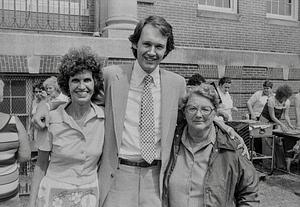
(112, 175)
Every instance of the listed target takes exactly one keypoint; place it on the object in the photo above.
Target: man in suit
(129, 173)
(125, 177)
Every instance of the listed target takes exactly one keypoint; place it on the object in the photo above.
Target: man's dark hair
(224, 80)
(196, 80)
(268, 83)
(158, 22)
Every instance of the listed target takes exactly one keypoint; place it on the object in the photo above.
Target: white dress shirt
(130, 147)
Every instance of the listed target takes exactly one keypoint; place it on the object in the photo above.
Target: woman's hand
(41, 118)
(284, 128)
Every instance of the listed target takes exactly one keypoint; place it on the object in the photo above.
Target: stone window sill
(282, 22)
(218, 14)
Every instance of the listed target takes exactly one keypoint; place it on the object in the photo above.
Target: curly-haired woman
(69, 150)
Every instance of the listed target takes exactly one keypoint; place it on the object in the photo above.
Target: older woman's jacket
(230, 180)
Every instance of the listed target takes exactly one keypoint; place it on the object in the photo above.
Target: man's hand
(41, 118)
(242, 145)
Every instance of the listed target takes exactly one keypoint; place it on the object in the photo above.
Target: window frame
(292, 17)
(232, 10)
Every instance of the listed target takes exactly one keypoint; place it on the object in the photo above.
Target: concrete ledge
(282, 22)
(232, 57)
(57, 45)
(37, 44)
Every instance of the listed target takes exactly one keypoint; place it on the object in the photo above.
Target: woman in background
(278, 105)
(53, 90)
(39, 95)
(69, 150)
(272, 112)
(226, 105)
(259, 99)
(14, 148)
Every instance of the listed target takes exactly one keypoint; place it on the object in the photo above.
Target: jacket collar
(223, 141)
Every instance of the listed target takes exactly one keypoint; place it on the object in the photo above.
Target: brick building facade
(248, 40)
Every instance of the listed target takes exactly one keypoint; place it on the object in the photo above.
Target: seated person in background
(226, 101)
(53, 90)
(258, 100)
(202, 157)
(14, 145)
(297, 107)
(293, 155)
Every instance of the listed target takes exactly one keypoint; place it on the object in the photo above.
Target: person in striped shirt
(14, 148)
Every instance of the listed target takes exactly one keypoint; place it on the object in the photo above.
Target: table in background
(251, 131)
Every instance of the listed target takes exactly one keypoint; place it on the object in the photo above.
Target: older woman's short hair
(52, 81)
(283, 91)
(78, 60)
(205, 90)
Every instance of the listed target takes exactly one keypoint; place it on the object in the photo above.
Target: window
(282, 9)
(73, 7)
(228, 6)
(14, 100)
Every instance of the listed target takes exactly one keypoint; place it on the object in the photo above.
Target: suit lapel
(166, 98)
(120, 89)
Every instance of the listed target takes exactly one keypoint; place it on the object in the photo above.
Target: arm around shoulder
(24, 151)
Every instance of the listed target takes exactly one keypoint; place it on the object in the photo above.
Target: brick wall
(251, 32)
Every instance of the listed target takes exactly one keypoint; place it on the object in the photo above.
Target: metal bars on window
(48, 15)
(280, 7)
(217, 3)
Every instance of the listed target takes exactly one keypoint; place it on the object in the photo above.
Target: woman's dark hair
(284, 91)
(158, 22)
(38, 85)
(224, 80)
(196, 80)
(76, 61)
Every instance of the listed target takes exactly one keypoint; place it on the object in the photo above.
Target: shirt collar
(96, 111)
(138, 75)
(210, 140)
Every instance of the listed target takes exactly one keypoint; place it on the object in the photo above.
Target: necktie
(148, 150)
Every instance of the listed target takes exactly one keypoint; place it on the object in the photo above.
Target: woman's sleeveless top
(265, 112)
(9, 172)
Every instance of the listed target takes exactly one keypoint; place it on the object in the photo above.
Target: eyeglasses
(38, 91)
(205, 110)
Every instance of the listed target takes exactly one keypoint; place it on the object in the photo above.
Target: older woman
(14, 147)
(69, 150)
(205, 167)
